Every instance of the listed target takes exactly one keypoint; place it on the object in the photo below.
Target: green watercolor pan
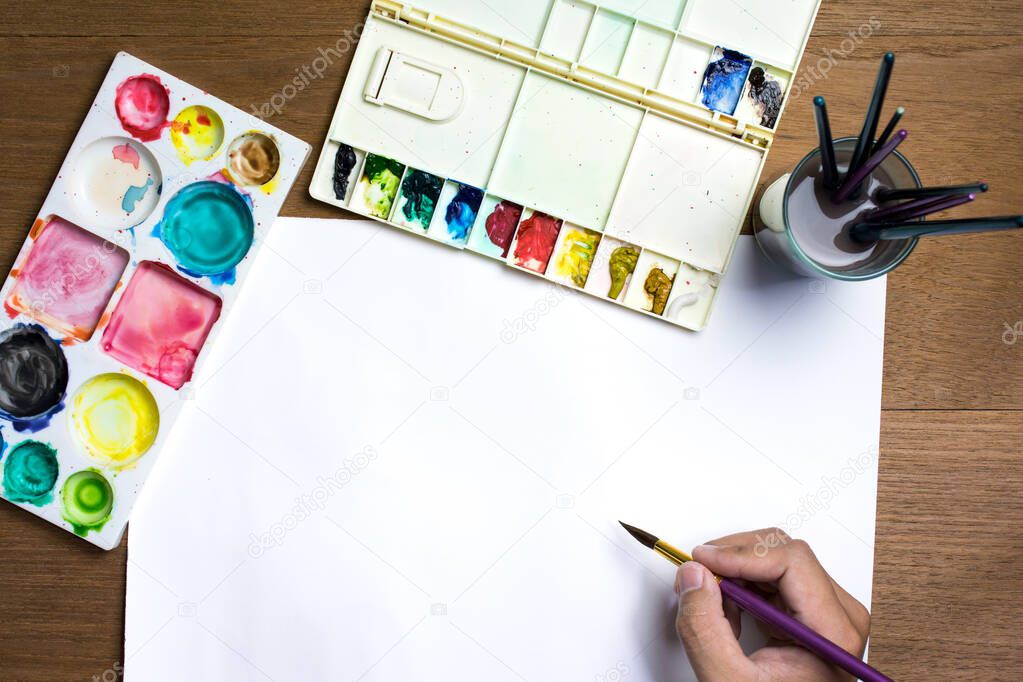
(594, 144)
(136, 256)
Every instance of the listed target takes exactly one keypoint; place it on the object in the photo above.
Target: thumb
(706, 634)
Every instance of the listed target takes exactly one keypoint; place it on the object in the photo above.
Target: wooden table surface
(949, 566)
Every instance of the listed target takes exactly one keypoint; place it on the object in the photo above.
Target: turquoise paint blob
(30, 472)
(134, 195)
(209, 228)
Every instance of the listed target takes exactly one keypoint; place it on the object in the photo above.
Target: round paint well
(197, 133)
(142, 104)
(209, 228)
(30, 472)
(88, 499)
(115, 419)
(119, 181)
(33, 373)
(253, 159)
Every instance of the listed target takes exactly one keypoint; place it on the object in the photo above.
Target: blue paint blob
(209, 228)
(461, 212)
(724, 79)
(134, 195)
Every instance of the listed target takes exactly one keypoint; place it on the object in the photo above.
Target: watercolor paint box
(136, 256)
(613, 147)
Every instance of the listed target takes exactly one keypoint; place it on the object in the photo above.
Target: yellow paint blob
(197, 133)
(115, 418)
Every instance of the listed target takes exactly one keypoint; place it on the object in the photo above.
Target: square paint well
(160, 324)
(418, 201)
(652, 283)
(575, 178)
(692, 297)
(377, 189)
(68, 278)
(535, 241)
(607, 41)
(567, 28)
(574, 256)
(685, 193)
(611, 274)
(495, 227)
(647, 54)
(683, 74)
(763, 96)
(456, 213)
(724, 80)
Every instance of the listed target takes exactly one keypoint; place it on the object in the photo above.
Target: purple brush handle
(827, 650)
(857, 177)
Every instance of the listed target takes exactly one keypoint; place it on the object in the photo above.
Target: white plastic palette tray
(611, 147)
(135, 258)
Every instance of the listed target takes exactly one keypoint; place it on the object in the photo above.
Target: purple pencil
(917, 209)
(856, 178)
(769, 614)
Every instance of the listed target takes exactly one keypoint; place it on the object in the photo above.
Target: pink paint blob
(142, 104)
(68, 278)
(161, 324)
(125, 153)
(536, 240)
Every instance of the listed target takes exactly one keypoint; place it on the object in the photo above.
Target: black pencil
(868, 232)
(926, 192)
(828, 163)
(890, 128)
(865, 143)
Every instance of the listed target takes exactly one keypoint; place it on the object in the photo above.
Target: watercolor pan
(641, 125)
(115, 299)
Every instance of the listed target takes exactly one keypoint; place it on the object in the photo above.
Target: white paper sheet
(404, 463)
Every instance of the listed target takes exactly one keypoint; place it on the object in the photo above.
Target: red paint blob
(142, 104)
(537, 237)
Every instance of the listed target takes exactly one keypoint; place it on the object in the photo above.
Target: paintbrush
(828, 163)
(884, 195)
(872, 232)
(866, 140)
(856, 178)
(890, 128)
(765, 612)
(915, 212)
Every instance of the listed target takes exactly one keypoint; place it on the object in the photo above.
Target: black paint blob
(344, 162)
(766, 92)
(33, 372)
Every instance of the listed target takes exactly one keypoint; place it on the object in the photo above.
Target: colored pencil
(870, 232)
(897, 212)
(856, 178)
(890, 128)
(925, 192)
(770, 615)
(828, 163)
(934, 206)
(866, 140)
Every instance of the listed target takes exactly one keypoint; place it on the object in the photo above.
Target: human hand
(789, 574)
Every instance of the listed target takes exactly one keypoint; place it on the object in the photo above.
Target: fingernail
(704, 548)
(690, 577)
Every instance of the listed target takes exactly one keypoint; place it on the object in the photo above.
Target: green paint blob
(621, 264)
(88, 499)
(209, 228)
(30, 473)
(383, 176)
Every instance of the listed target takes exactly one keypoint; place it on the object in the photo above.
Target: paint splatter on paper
(621, 264)
(344, 163)
(461, 213)
(658, 288)
(419, 194)
(379, 185)
(142, 104)
(161, 324)
(87, 499)
(33, 377)
(67, 278)
(724, 79)
(535, 242)
(115, 419)
(30, 473)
